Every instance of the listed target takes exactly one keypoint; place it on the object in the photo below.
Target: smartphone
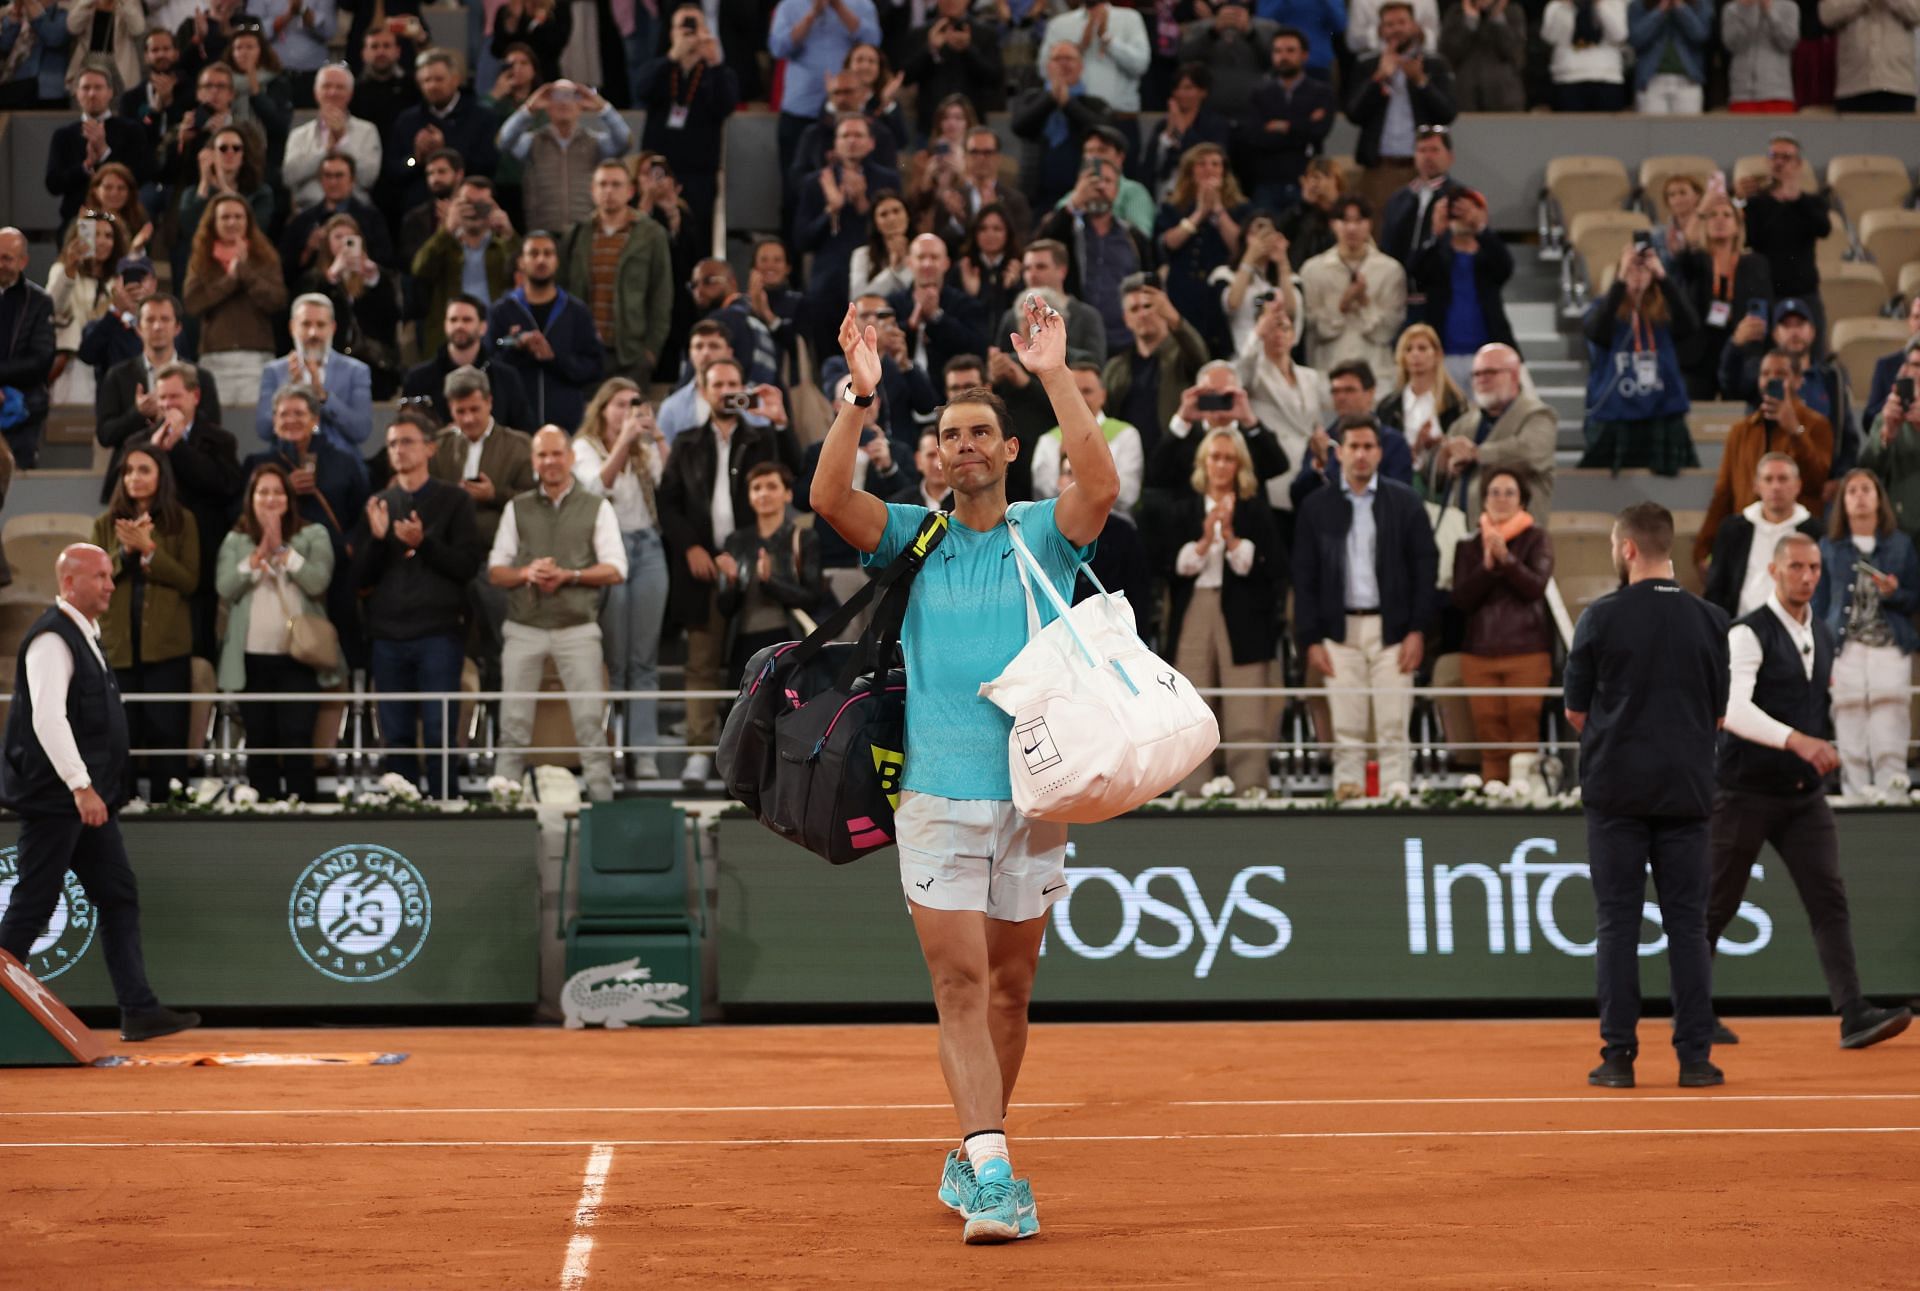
(1859, 562)
(1903, 391)
(1643, 240)
(1757, 308)
(88, 234)
(738, 401)
(1775, 390)
(353, 243)
(1213, 402)
(868, 434)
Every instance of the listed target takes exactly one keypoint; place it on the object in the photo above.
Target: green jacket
(236, 584)
(642, 292)
(166, 625)
(1898, 466)
(1181, 357)
(438, 265)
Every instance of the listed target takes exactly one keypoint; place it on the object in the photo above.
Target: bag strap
(902, 567)
(1024, 558)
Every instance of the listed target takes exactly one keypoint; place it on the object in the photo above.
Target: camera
(1903, 391)
(1775, 390)
(1642, 241)
(738, 401)
(1264, 299)
(1213, 402)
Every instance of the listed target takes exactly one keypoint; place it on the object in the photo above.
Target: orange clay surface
(1379, 1154)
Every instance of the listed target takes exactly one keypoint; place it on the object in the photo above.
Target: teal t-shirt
(966, 621)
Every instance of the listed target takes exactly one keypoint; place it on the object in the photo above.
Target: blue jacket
(1614, 393)
(1322, 20)
(346, 418)
(556, 389)
(1893, 553)
(48, 62)
(1688, 25)
(1406, 563)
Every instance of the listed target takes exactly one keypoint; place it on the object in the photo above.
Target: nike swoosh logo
(1025, 749)
(1047, 892)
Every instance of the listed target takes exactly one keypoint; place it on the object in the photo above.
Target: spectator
(235, 288)
(1781, 424)
(1462, 273)
(180, 164)
(1350, 389)
(343, 385)
(1147, 379)
(1407, 225)
(227, 166)
(1636, 397)
(1228, 580)
(519, 77)
(156, 102)
(617, 262)
(1893, 446)
(1395, 92)
(382, 89)
(1364, 566)
(1760, 37)
(333, 130)
(877, 469)
(1424, 400)
(1743, 542)
(147, 631)
(814, 37)
(833, 217)
(35, 35)
(80, 148)
(1308, 228)
(1108, 252)
(1869, 589)
(1485, 42)
(1188, 123)
(303, 243)
(1233, 51)
(717, 294)
(446, 172)
(561, 158)
(114, 191)
(1363, 25)
(547, 336)
(202, 459)
(988, 269)
(112, 338)
(980, 185)
(444, 118)
(1670, 39)
(474, 252)
(1508, 428)
(846, 96)
(619, 455)
(1113, 46)
(1321, 22)
(1500, 577)
(1356, 294)
(770, 581)
(955, 54)
(1785, 225)
(1215, 401)
(465, 324)
(1290, 400)
(1818, 385)
(1286, 124)
(879, 90)
(1589, 40)
(1123, 442)
(126, 402)
(81, 284)
(415, 549)
(262, 91)
(1724, 284)
(1887, 366)
(772, 299)
(881, 267)
(685, 407)
(281, 563)
(688, 95)
(1262, 276)
(300, 31)
(936, 175)
(202, 31)
(1056, 118)
(941, 322)
(1875, 57)
(1199, 229)
(366, 304)
(1044, 266)
(906, 399)
(698, 510)
(543, 26)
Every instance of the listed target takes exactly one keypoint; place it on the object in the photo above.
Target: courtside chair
(635, 902)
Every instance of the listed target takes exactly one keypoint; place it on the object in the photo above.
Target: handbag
(815, 746)
(1101, 724)
(1449, 531)
(311, 638)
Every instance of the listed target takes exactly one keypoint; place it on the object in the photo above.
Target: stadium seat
(1686, 527)
(1862, 182)
(1600, 236)
(32, 542)
(1756, 165)
(1710, 422)
(1852, 290)
(1910, 280)
(1656, 171)
(1831, 252)
(1587, 183)
(1892, 238)
(15, 618)
(1860, 342)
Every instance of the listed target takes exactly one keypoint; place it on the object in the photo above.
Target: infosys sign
(1299, 908)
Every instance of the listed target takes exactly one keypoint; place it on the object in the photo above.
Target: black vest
(28, 782)
(1783, 691)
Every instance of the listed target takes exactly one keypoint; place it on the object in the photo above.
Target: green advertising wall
(1359, 907)
(341, 910)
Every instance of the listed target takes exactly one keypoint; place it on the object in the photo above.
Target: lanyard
(693, 86)
(1640, 345)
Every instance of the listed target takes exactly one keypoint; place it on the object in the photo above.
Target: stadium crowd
(1311, 387)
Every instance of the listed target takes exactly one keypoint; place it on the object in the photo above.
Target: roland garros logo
(360, 913)
(70, 929)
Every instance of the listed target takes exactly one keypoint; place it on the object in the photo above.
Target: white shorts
(979, 854)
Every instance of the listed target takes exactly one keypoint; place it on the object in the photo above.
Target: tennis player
(978, 876)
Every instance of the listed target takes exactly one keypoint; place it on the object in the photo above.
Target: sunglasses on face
(229, 147)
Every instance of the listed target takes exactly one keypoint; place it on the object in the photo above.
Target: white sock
(984, 1146)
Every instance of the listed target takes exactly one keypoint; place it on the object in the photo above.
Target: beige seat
(1581, 590)
(1910, 280)
(1852, 290)
(1686, 527)
(1710, 422)
(1755, 166)
(1582, 545)
(16, 616)
(1862, 182)
(1892, 238)
(1587, 183)
(1860, 342)
(1830, 252)
(1600, 237)
(32, 542)
(1656, 171)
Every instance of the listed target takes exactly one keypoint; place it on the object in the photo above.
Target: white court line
(1659, 1132)
(573, 1274)
(1598, 1099)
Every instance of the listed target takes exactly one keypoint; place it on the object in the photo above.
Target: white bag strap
(1023, 557)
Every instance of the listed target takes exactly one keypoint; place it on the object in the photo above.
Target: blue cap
(1792, 305)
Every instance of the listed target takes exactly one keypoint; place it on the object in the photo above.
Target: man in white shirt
(334, 129)
(1356, 294)
(1113, 47)
(1741, 577)
(1123, 441)
(1773, 762)
(66, 774)
(557, 545)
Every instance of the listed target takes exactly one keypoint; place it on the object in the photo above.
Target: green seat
(632, 867)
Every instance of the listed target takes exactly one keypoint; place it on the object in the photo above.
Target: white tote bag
(1101, 724)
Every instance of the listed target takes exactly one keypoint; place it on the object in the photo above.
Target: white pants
(1871, 718)
(578, 658)
(1668, 95)
(1359, 662)
(237, 373)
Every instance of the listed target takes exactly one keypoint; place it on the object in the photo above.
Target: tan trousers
(706, 670)
(1509, 720)
(1361, 662)
(1205, 657)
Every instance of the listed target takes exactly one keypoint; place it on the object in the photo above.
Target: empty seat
(32, 543)
(1852, 290)
(1859, 342)
(1656, 171)
(1892, 238)
(1600, 237)
(1862, 182)
(1587, 183)
(1910, 280)
(1832, 251)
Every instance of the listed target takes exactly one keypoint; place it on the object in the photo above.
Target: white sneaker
(645, 767)
(699, 769)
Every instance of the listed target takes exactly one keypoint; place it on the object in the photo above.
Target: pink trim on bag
(867, 834)
(766, 669)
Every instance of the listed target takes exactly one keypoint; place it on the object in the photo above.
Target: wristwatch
(859, 400)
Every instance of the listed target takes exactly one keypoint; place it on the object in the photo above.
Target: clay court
(1455, 1154)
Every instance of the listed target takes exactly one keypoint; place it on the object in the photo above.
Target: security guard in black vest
(65, 773)
(1646, 687)
(1774, 756)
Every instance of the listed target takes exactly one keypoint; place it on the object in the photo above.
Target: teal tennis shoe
(993, 1213)
(956, 1182)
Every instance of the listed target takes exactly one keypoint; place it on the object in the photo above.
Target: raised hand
(1044, 348)
(862, 351)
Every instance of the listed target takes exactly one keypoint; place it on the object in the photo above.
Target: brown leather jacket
(1506, 607)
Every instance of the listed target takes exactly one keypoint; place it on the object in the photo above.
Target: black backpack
(815, 744)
